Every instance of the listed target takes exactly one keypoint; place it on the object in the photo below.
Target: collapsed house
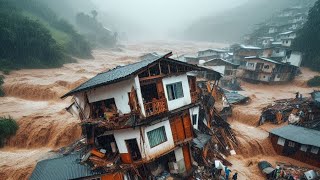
(138, 120)
(298, 143)
(260, 69)
(298, 111)
(229, 71)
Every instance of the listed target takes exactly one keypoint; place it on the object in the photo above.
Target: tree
(8, 128)
(308, 39)
(94, 14)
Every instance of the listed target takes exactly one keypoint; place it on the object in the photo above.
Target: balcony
(155, 107)
(194, 96)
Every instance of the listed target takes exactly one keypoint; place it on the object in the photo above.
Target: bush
(8, 128)
(315, 81)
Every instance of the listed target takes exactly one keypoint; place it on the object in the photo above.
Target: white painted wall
(180, 160)
(139, 95)
(251, 67)
(82, 102)
(146, 151)
(264, 77)
(186, 99)
(194, 110)
(161, 148)
(295, 59)
(119, 91)
(286, 43)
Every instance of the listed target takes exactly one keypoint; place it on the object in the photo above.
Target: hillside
(308, 39)
(233, 24)
(86, 18)
(34, 37)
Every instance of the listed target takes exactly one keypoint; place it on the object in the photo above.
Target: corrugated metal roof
(63, 167)
(116, 74)
(201, 140)
(298, 134)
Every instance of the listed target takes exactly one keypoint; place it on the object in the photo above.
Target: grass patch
(8, 128)
(314, 82)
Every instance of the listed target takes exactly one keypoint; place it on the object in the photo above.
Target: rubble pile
(298, 111)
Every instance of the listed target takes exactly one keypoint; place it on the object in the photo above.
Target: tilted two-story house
(260, 69)
(139, 118)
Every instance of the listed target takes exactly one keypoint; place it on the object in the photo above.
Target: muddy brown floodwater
(33, 99)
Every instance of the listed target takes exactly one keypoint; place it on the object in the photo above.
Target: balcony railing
(156, 107)
(194, 96)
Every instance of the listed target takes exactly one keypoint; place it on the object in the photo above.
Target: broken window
(194, 119)
(175, 91)
(104, 109)
(303, 148)
(157, 136)
(149, 92)
(281, 141)
(314, 150)
(291, 144)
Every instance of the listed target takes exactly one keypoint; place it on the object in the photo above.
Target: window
(277, 50)
(291, 144)
(281, 141)
(175, 91)
(303, 148)
(194, 119)
(251, 64)
(266, 66)
(314, 150)
(157, 136)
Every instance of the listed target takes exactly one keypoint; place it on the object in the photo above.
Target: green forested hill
(32, 36)
(308, 39)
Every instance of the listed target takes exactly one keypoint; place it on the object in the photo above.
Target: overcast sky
(159, 17)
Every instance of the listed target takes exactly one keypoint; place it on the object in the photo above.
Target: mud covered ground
(33, 99)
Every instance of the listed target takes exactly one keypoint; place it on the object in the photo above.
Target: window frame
(303, 147)
(281, 141)
(314, 150)
(173, 87)
(291, 144)
(164, 133)
(194, 121)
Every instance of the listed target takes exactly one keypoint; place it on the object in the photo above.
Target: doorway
(133, 149)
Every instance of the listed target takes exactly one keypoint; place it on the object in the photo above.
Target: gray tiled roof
(63, 167)
(124, 72)
(298, 134)
(115, 74)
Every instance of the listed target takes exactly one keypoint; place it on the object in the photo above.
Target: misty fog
(154, 19)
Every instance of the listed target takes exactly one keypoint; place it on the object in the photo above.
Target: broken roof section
(298, 134)
(125, 72)
(63, 167)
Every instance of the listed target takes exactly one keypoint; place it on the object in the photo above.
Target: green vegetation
(94, 30)
(308, 39)
(8, 128)
(314, 82)
(32, 36)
